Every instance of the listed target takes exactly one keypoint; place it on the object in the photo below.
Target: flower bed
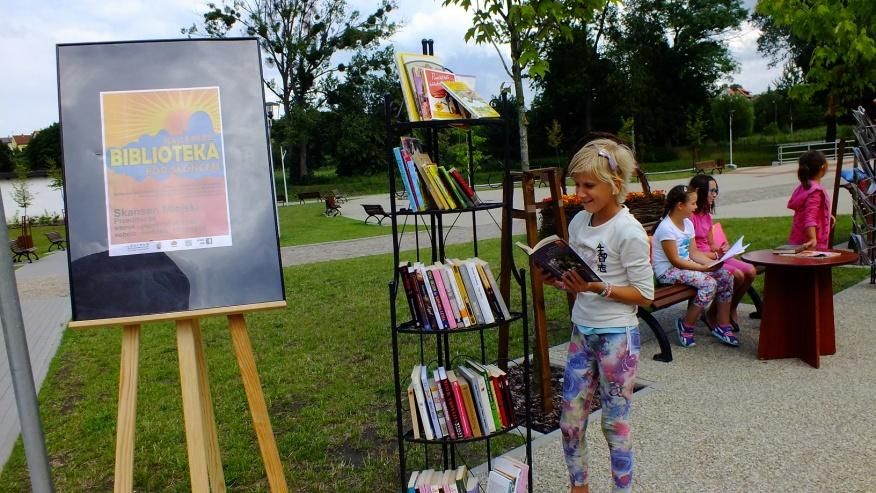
(645, 207)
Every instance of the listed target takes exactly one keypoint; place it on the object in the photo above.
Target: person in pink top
(743, 272)
(812, 219)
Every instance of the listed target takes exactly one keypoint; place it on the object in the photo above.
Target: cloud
(754, 73)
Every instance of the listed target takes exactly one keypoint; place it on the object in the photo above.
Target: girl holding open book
(678, 260)
(604, 346)
(743, 272)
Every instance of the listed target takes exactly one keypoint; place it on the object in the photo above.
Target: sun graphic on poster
(128, 116)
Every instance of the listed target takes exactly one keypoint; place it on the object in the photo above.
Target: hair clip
(611, 162)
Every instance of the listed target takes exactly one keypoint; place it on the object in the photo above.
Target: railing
(790, 153)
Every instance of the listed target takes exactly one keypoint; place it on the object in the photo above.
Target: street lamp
(730, 164)
(272, 109)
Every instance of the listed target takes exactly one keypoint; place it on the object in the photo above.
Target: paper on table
(734, 250)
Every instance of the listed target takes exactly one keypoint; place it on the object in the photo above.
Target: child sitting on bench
(677, 260)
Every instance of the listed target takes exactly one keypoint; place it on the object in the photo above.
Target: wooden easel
(202, 443)
(554, 178)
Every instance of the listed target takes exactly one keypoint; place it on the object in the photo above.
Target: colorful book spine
(430, 402)
(480, 293)
(451, 294)
(429, 294)
(409, 292)
(460, 404)
(412, 405)
(454, 422)
(473, 304)
(406, 179)
(452, 188)
(503, 307)
(492, 296)
(466, 188)
(439, 303)
(455, 284)
(415, 180)
(422, 404)
(430, 323)
(440, 410)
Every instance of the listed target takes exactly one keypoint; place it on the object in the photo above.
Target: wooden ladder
(553, 177)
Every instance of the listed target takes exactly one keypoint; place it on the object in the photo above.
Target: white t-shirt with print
(667, 230)
(618, 252)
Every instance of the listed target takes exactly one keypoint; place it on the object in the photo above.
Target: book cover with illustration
(411, 79)
(164, 170)
(554, 256)
(441, 105)
(469, 99)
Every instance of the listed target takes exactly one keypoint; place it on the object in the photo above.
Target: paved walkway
(722, 431)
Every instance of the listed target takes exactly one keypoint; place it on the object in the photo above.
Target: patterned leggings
(706, 283)
(603, 360)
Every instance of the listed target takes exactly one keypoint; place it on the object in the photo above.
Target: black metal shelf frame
(436, 244)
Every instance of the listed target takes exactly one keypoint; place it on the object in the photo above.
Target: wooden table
(798, 305)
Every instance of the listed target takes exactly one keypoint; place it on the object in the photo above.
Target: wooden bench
(331, 206)
(339, 196)
(376, 211)
(18, 252)
(56, 240)
(664, 296)
(302, 196)
(710, 166)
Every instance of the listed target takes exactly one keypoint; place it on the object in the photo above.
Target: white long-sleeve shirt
(618, 251)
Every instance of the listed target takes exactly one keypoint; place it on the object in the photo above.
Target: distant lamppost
(271, 109)
(730, 164)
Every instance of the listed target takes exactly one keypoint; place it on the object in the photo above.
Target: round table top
(767, 257)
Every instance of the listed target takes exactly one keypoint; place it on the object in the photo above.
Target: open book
(733, 251)
(554, 256)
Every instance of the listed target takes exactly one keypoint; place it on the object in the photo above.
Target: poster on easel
(168, 186)
(164, 170)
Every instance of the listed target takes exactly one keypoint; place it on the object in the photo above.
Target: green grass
(326, 369)
(306, 224)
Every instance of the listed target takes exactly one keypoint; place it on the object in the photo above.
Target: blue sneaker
(685, 334)
(724, 333)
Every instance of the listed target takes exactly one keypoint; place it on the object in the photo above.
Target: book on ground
(554, 256)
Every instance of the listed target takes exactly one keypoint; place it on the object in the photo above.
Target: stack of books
(433, 92)
(457, 480)
(452, 295)
(428, 185)
(470, 402)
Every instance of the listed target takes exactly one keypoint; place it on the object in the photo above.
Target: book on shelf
(459, 480)
(456, 291)
(492, 402)
(554, 256)
(407, 285)
(499, 483)
(437, 431)
(471, 300)
(422, 404)
(437, 285)
(438, 402)
(516, 470)
(430, 296)
(466, 188)
(473, 103)
(462, 394)
(480, 398)
(480, 293)
(438, 268)
(493, 288)
(412, 405)
(410, 80)
(441, 105)
(503, 389)
(465, 304)
(451, 413)
(788, 249)
(433, 186)
(408, 181)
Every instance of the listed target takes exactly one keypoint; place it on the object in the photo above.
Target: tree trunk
(302, 157)
(830, 120)
(521, 114)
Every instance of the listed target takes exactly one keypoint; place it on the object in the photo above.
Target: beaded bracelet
(606, 291)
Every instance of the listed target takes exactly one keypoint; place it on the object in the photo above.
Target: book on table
(554, 256)
(788, 249)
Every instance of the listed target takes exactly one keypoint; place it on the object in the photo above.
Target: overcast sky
(29, 32)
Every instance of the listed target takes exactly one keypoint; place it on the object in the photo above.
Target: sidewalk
(757, 418)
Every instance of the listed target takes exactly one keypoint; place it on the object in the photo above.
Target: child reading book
(678, 260)
(812, 218)
(704, 231)
(604, 346)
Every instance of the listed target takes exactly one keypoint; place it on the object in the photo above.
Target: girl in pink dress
(743, 272)
(810, 203)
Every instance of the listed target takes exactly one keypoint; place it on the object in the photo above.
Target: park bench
(302, 196)
(376, 211)
(331, 206)
(340, 197)
(19, 251)
(710, 166)
(56, 240)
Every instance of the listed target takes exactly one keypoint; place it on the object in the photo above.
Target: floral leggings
(610, 361)
(716, 285)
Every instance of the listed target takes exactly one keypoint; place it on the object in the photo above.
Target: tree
(673, 53)
(743, 116)
(44, 147)
(525, 26)
(843, 59)
(696, 132)
(5, 158)
(555, 138)
(298, 38)
(23, 197)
